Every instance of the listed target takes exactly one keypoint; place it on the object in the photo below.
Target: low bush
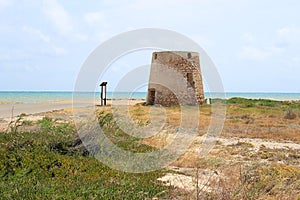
(289, 114)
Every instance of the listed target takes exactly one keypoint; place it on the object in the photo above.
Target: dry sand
(59, 109)
(15, 109)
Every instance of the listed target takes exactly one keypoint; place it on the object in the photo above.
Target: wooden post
(103, 93)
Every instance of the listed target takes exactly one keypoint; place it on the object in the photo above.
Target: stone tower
(175, 79)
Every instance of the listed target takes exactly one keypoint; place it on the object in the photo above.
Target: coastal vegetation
(256, 157)
(49, 165)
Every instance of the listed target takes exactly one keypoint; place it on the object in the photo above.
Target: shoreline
(15, 109)
(53, 96)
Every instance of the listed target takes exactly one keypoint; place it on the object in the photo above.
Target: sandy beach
(9, 110)
(15, 109)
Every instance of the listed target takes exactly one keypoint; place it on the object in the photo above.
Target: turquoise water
(31, 97)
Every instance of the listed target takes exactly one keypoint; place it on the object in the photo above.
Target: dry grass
(243, 170)
(245, 122)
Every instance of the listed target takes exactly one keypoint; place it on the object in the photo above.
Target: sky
(254, 44)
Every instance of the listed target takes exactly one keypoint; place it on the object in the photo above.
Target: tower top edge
(176, 52)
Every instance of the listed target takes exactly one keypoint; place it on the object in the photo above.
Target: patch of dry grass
(245, 170)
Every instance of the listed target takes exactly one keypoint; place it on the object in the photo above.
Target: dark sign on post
(103, 93)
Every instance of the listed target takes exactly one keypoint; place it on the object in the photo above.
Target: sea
(50, 96)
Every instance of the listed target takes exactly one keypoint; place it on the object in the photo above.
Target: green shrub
(243, 102)
(40, 166)
(119, 137)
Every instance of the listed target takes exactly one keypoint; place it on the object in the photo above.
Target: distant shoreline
(7, 109)
(54, 96)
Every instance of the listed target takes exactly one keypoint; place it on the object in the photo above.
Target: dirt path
(257, 142)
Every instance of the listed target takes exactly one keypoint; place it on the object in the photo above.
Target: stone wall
(175, 78)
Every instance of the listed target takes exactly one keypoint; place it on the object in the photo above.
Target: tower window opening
(190, 80)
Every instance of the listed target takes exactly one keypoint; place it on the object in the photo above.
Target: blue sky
(254, 44)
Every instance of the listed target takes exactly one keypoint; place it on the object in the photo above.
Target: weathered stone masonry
(175, 78)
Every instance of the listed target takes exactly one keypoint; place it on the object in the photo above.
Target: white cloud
(58, 16)
(50, 48)
(53, 50)
(295, 59)
(248, 37)
(5, 3)
(276, 50)
(282, 32)
(258, 49)
(253, 53)
(81, 36)
(31, 68)
(62, 20)
(5, 57)
(202, 40)
(13, 56)
(259, 54)
(59, 50)
(93, 18)
(36, 33)
(289, 35)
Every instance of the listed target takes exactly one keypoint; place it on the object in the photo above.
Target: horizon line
(286, 92)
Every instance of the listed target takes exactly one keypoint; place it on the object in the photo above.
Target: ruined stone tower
(175, 79)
